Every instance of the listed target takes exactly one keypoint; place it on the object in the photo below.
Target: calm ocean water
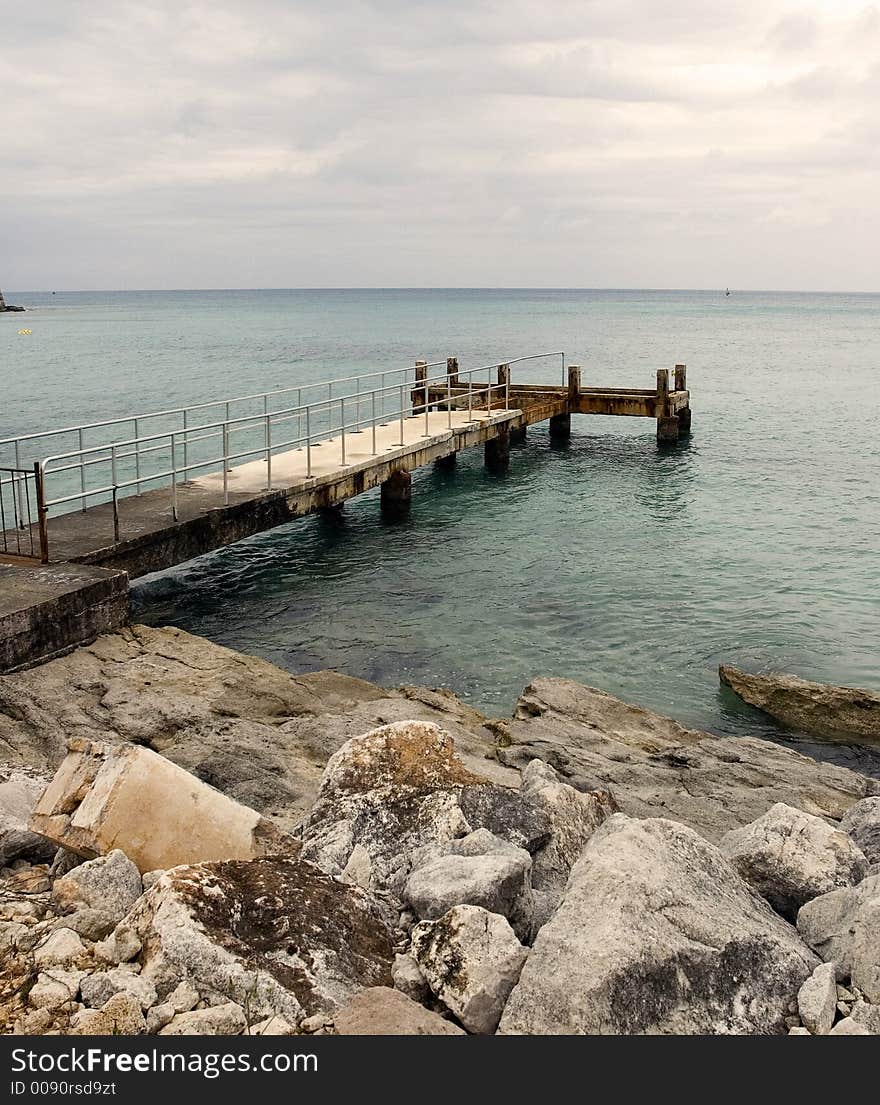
(632, 569)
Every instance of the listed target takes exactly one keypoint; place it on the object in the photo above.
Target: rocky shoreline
(584, 866)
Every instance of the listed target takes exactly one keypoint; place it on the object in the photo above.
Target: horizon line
(446, 288)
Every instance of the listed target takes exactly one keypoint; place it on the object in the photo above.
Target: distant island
(4, 306)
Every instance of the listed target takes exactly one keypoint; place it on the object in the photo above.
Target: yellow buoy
(24, 331)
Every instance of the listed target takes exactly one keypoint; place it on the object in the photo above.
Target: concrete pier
(48, 609)
(93, 552)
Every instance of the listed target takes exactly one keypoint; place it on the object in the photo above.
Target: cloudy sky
(589, 143)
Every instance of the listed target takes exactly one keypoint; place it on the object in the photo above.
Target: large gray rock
(817, 1000)
(19, 791)
(471, 959)
(862, 822)
(250, 729)
(227, 1019)
(397, 791)
(496, 879)
(109, 884)
(866, 951)
(276, 935)
(828, 923)
(99, 987)
(867, 1015)
(849, 1027)
(574, 816)
(657, 933)
(383, 1012)
(832, 713)
(790, 857)
(263, 736)
(655, 767)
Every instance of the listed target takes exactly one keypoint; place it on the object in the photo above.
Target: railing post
(20, 498)
(174, 476)
(185, 448)
(401, 414)
(308, 444)
(268, 454)
(226, 464)
(137, 457)
(374, 421)
(448, 404)
(266, 430)
(82, 472)
(470, 396)
(115, 517)
(342, 423)
(42, 513)
(681, 377)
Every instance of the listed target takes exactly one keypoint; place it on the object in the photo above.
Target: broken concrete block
(107, 796)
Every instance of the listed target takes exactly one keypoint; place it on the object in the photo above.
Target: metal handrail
(210, 403)
(26, 515)
(115, 452)
(131, 457)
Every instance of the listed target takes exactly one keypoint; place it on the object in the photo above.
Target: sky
(291, 143)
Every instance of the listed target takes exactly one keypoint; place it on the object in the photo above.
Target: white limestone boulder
(276, 935)
(657, 933)
(390, 794)
(829, 923)
(861, 822)
(790, 857)
(471, 959)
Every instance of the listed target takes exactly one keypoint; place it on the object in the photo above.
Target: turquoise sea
(630, 568)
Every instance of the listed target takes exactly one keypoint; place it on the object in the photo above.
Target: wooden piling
(681, 377)
(421, 385)
(667, 423)
(452, 371)
(574, 381)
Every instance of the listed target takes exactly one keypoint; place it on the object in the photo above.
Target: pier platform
(161, 489)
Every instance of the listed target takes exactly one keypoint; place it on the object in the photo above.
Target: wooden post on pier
(684, 413)
(421, 383)
(395, 494)
(574, 382)
(452, 371)
(667, 422)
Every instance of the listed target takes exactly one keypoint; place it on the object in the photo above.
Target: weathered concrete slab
(49, 609)
(107, 796)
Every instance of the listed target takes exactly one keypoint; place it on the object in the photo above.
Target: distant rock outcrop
(4, 306)
(848, 714)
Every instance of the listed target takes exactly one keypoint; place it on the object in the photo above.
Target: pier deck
(197, 502)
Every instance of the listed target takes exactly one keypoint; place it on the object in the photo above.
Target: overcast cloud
(284, 143)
